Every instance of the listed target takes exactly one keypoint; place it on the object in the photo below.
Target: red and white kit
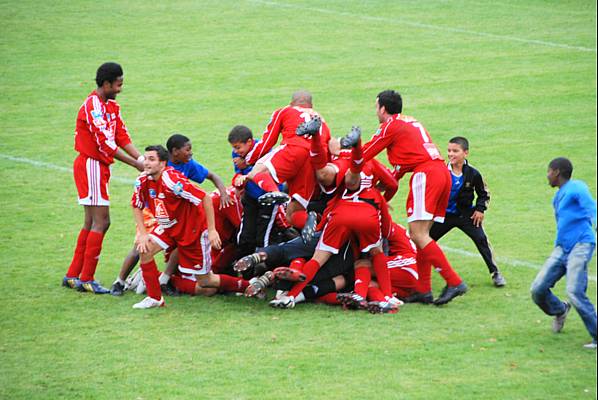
(401, 261)
(410, 149)
(227, 221)
(176, 204)
(100, 131)
(289, 162)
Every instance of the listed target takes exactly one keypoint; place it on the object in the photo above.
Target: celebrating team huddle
(308, 217)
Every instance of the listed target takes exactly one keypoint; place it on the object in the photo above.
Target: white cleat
(394, 301)
(149, 302)
(283, 302)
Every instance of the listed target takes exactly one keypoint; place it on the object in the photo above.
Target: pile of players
(308, 217)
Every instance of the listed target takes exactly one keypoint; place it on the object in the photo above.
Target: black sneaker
(117, 289)
(559, 320)
(417, 297)
(498, 279)
(272, 198)
(309, 127)
(309, 229)
(169, 289)
(352, 138)
(450, 293)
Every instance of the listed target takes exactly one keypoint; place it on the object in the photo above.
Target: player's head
(458, 149)
(301, 98)
(388, 102)
(156, 157)
(180, 149)
(241, 139)
(559, 171)
(109, 78)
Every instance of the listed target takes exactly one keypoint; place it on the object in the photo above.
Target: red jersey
(100, 130)
(285, 121)
(227, 219)
(175, 202)
(407, 144)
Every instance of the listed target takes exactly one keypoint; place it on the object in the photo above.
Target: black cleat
(117, 289)
(309, 127)
(352, 138)
(417, 297)
(247, 262)
(352, 301)
(309, 229)
(169, 289)
(450, 293)
(272, 198)
(382, 307)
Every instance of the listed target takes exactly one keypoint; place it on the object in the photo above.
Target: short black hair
(160, 150)
(176, 141)
(461, 141)
(563, 165)
(239, 134)
(391, 100)
(109, 71)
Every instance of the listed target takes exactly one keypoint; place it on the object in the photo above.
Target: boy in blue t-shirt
(575, 214)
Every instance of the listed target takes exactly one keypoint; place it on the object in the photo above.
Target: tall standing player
(100, 137)
(410, 149)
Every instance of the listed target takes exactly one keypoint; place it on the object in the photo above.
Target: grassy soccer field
(515, 77)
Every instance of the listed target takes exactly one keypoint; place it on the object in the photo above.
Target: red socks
(356, 158)
(329, 298)
(298, 219)
(232, 284)
(150, 276)
(309, 269)
(429, 256)
(93, 247)
(78, 257)
(363, 277)
(184, 285)
(264, 180)
(374, 294)
(318, 156)
(382, 274)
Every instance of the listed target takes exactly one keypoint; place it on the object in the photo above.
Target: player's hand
(142, 243)
(240, 162)
(225, 200)
(477, 218)
(240, 180)
(139, 165)
(214, 239)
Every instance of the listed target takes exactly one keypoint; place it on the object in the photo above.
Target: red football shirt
(100, 130)
(227, 219)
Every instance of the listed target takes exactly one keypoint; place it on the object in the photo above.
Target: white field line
(420, 25)
(45, 165)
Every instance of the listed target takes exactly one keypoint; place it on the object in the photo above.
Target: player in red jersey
(410, 149)
(289, 162)
(182, 222)
(100, 137)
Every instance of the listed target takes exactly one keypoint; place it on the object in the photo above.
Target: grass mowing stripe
(503, 260)
(427, 26)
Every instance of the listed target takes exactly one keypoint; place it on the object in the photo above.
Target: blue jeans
(574, 265)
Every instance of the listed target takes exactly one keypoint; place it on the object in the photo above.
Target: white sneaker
(132, 281)
(590, 346)
(394, 301)
(149, 302)
(283, 302)
(140, 289)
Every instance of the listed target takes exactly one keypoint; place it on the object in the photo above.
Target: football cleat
(382, 307)
(417, 297)
(450, 293)
(271, 198)
(352, 138)
(283, 302)
(247, 262)
(132, 281)
(169, 289)
(309, 229)
(352, 301)
(257, 286)
(289, 274)
(498, 279)
(309, 127)
(92, 287)
(70, 283)
(117, 289)
(149, 302)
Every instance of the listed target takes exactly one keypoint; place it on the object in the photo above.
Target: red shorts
(291, 164)
(91, 179)
(429, 192)
(356, 219)
(403, 272)
(194, 258)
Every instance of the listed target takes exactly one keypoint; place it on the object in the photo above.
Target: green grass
(497, 73)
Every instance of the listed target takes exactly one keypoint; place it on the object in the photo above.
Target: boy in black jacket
(461, 211)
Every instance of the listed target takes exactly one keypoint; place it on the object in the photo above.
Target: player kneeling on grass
(175, 202)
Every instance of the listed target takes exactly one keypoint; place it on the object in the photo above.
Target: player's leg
(479, 238)
(71, 279)
(150, 274)
(118, 287)
(100, 222)
(577, 285)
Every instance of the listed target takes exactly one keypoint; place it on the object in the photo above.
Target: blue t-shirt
(192, 170)
(575, 213)
(457, 183)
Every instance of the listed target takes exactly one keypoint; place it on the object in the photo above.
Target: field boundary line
(47, 165)
(421, 25)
